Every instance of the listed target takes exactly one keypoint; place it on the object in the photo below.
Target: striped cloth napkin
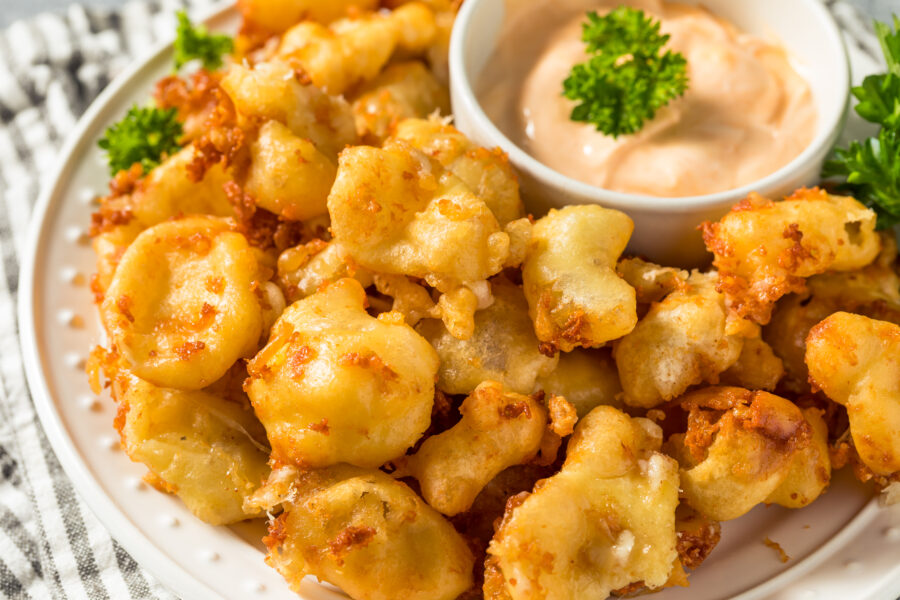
(51, 68)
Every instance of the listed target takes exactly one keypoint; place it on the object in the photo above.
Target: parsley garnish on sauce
(627, 77)
(870, 169)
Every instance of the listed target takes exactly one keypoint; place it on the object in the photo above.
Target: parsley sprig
(870, 169)
(194, 42)
(628, 77)
(144, 136)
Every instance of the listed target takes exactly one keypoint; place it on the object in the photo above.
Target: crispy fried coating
(207, 450)
(873, 291)
(697, 536)
(277, 16)
(764, 250)
(455, 308)
(366, 533)
(402, 91)
(109, 246)
(502, 348)
(350, 52)
(170, 190)
(395, 216)
(651, 282)
(396, 213)
(585, 378)
(575, 297)
(288, 176)
(855, 361)
(606, 520)
(487, 172)
(680, 342)
(305, 268)
(196, 98)
(757, 367)
(738, 449)
(181, 307)
(337, 385)
(498, 429)
(811, 468)
(444, 16)
(273, 91)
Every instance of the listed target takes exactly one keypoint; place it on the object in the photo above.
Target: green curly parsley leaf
(628, 77)
(869, 169)
(872, 172)
(144, 136)
(193, 42)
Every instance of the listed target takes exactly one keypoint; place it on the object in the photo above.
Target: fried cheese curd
(575, 297)
(365, 532)
(182, 306)
(498, 429)
(397, 212)
(764, 249)
(680, 342)
(277, 16)
(273, 91)
(873, 291)
(335, 384)
(288, 175)
(402, 91)
(170, 190)
(305, 268)
(502, 348)
(604, 521)
(586, 378)
(855, 361)
(487, 172)
(207, 449)
(349, 52)
(745, 447)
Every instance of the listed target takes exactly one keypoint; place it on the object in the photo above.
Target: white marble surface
(10, 10)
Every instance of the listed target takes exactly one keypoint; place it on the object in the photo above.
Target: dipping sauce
(746, 112)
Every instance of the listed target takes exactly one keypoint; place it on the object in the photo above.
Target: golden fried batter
(585, 378)
(855, 361)
(873, 291)
(208, 450)
(739, 448)
(764, 250)
(487, 172)
(575, 297)
(502, 348)
(402, 91)
(182, 307)
(337, 385)
(498, 429)
(349, 52)
(365, 532)
(606, 520)
(680, 342)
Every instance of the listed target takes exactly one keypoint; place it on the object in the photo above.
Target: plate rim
(149, 555)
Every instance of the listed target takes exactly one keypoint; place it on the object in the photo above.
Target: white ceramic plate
(843, 546)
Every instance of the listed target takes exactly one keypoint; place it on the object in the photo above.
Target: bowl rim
(827, 130)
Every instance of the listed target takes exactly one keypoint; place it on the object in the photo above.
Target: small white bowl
(666, 228)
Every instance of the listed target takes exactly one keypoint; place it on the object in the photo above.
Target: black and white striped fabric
(51, 68)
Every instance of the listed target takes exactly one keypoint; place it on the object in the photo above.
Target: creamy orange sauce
(746, 113)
